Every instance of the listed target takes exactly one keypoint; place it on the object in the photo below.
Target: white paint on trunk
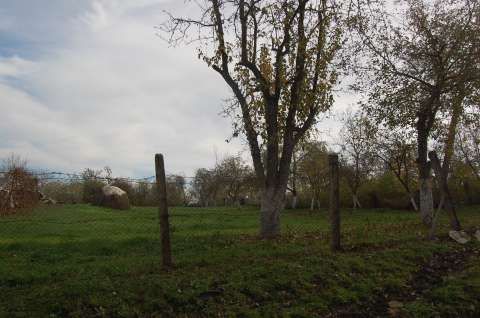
(356, 202)
(426, 200)
(294, 202)
(414, 204)
(272, 204)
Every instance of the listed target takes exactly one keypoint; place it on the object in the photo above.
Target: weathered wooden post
(334, 201)
(163, 211)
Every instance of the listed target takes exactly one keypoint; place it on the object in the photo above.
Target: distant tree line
(378, 170)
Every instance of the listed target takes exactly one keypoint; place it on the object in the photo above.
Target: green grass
(83, 261)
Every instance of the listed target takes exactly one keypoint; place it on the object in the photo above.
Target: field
(84, 261)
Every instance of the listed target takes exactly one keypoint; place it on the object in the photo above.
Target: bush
(125, 186)
(92, 192)
(140, 194)
(19, 191)
(64, 192)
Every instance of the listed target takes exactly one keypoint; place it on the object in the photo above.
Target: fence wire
(208, 226)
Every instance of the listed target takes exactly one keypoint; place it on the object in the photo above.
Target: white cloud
(113, 93)
(15, 66)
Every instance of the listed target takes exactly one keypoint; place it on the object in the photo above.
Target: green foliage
(230, 182)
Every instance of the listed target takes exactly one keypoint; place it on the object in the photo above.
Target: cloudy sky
(88, 83)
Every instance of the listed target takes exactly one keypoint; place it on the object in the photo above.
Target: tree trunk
(426, 200)
(412, 201)
(272, 204)
(446, 195)
(312, 204)
(294, 200)
(356, 202)
(424, 175)
(435, 218)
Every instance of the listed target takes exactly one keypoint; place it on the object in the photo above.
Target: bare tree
(278, 59)
(12, 162)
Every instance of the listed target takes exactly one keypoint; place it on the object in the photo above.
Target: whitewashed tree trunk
(294, 202)
(426, 200)
(358, 202)
(272, 204)
(414, 204)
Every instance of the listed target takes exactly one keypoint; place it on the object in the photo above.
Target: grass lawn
(84, 261)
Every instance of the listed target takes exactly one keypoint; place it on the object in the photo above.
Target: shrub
(63, 192)
(125, 186)
(19, 191)
(92, 191)
(140, 193)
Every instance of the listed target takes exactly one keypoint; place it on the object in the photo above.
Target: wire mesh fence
(68, 213)
(86, 228)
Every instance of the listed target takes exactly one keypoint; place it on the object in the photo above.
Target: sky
(89, 83)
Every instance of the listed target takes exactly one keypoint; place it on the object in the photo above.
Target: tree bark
(412, 201)
(426, 200)
(433, 228)
(294, 200)
(356, 202)
(446, 195)
(272, 204)
(424, 172)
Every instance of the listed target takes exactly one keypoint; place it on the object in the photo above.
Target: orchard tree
(278, 58)
(234, 176)
(205, 186)
(396, 149)
(418, 65)
(468, 147)
(357, 155)
(176, 190)
(313, 169)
